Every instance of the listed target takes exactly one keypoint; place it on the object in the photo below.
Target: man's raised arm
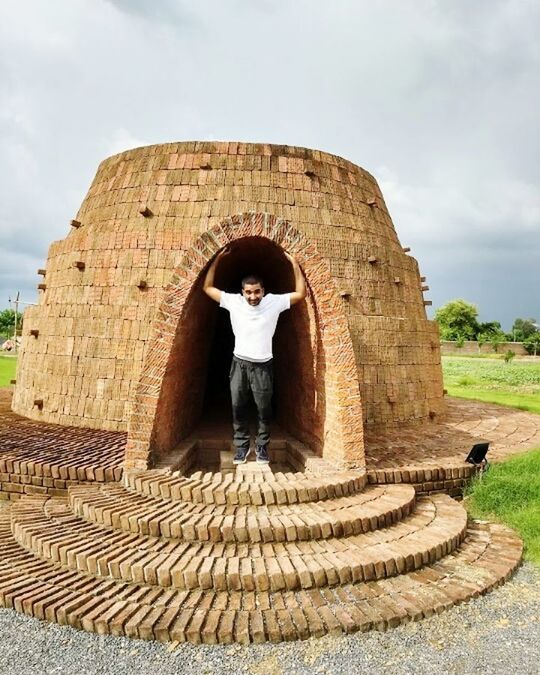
(208, 286)
(299, 292)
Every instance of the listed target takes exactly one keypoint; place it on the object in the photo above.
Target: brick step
(486, 558)
(450, 479)
(64, 469)
(19, 476)
(50, 456)
(48, 528)
(116, 507)
(14, 486)
(217, 451)
(249, 484)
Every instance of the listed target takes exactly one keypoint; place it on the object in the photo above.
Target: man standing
(254, 317)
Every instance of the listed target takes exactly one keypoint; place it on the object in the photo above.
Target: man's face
(253, 293)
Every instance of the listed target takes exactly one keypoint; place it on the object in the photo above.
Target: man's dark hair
(252, 279)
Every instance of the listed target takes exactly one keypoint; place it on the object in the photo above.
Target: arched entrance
(184, 376)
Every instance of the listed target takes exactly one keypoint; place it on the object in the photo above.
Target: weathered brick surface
(114, 506)
(184, 552)
(432, 457)
(191, 560)
(244, 488)
(486, 557)
(217, 558)
(113, 319)
(38, 458)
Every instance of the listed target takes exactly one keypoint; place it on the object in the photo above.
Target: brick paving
(251, 553)
(447, 441)
(58, 567)
(41, 458)
(112, 505)
(431, 456)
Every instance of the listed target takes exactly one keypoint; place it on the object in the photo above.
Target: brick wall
(471, 347)
(146, 207)
(168, 400)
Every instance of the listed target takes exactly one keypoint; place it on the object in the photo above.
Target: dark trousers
(256, 379)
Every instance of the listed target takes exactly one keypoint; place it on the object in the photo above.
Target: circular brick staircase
(246, 555)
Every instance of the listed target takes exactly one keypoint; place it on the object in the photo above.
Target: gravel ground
(497, 633)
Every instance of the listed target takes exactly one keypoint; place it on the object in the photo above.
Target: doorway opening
(195, 390)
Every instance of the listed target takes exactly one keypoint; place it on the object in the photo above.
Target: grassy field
(510, 492)
(8, 365)
(516, 384)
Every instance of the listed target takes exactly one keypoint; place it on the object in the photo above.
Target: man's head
(252, 289)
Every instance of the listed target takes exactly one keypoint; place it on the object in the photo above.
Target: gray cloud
(163, 11)
(439, 99)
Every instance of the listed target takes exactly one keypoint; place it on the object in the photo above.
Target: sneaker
(241, 455)
(262, 455)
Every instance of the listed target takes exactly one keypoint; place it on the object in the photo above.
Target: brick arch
(342, 439)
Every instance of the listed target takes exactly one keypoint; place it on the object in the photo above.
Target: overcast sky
(439, 99)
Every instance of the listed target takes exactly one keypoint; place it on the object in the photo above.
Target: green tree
(490, 328)
(491, 332)
(7, 322)
(532, 343)
(495, 340)
(481, 340)
(457, 319)
(523, 328)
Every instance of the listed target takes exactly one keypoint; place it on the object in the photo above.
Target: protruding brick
(145, 211)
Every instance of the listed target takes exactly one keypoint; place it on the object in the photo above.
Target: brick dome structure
(123, 336)
(129, 517)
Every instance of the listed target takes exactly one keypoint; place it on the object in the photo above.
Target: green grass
(529, 403)
(510, 493)
(8, 364)
(515, 384)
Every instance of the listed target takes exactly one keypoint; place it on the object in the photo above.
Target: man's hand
(299, 292)
(291, 258)
(208, 286)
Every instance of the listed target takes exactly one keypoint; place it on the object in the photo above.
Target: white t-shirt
(254, 326)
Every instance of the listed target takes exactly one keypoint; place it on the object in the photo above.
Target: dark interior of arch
(196, 382)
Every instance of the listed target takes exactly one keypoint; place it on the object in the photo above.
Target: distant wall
(471, 347)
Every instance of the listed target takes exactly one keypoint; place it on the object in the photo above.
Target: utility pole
(17, 302)
(16, 316)
(536, 345)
